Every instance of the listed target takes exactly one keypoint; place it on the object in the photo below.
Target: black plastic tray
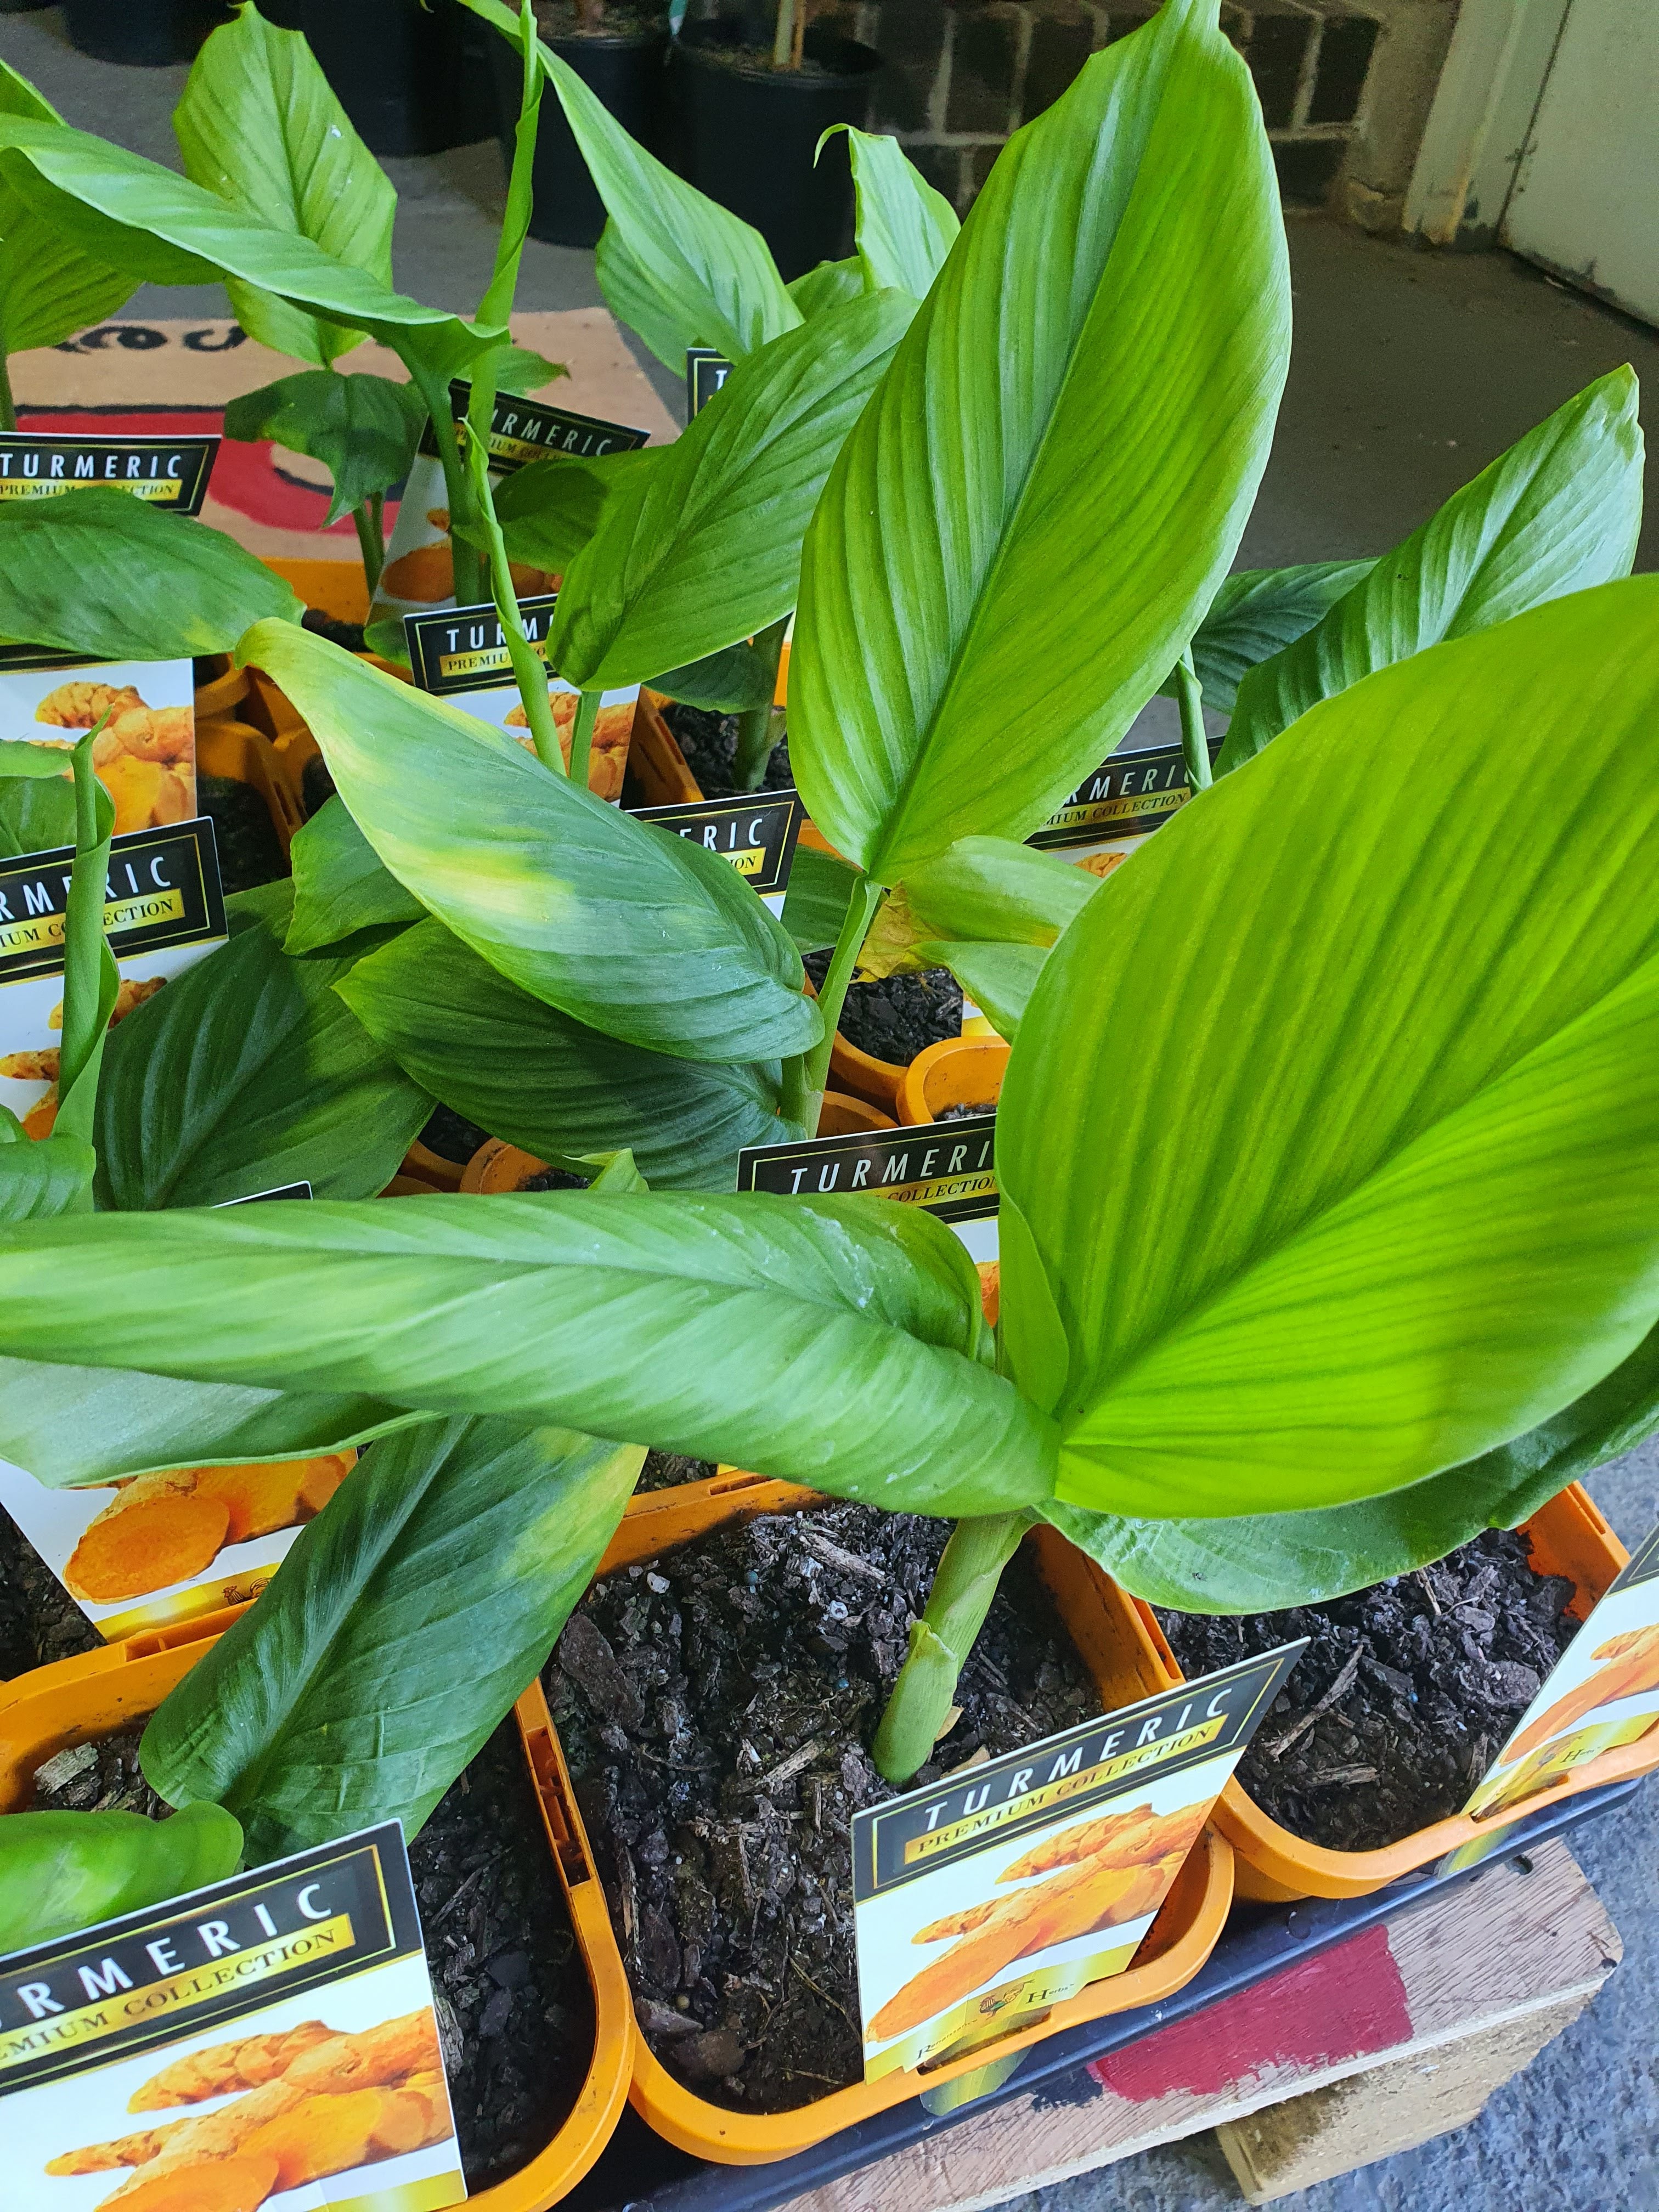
(641, 2173)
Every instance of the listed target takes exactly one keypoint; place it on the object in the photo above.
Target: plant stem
(940, 1641)
(1194, 743)
(8, 405)
(759, 729)
(371, 540)
(861, 911)
(793, 1097)
(496, 305)
(527, 667)
(91, 979)
(457, 483)
(783, 41)
(581, 736)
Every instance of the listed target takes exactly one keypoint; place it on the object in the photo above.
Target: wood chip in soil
(669, 1470)
(1404, 1697)
(716, 1706)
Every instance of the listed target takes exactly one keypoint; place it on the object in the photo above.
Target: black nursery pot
(627, 72)
(749, 133)
(411, 78)
(145, 32)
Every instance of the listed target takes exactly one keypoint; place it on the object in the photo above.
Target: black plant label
(171, 473)
(465, 648)
(163, 890)
(530, 430)
(755, 834)
(706, 371)
(948, 1167)
(1127, 796)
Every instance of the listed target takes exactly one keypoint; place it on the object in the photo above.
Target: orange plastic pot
(422, 1165)
(236, 751)
(1104, 1628)
(78, 1699)
(496, 1165)
(654, 754)
(965, 1071)
(224, 689)
(1569, 1537)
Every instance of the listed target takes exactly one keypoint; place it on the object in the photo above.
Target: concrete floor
(1411, 372)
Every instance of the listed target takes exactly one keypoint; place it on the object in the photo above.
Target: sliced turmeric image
(332, 2134)
(158, 1530)
(31, 1067)
(1633, 1666)
(231, 2185)
(246, 2064)
(262, 1499)
(77, 704)
(959, 1923)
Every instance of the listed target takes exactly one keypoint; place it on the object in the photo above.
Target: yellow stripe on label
(432, 2195)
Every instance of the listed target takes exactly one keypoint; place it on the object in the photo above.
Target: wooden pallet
(1379, 2044)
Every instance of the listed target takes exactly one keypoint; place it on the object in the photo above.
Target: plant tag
(756, 834)
(145, 755)
(154, 1549)
(270, 2035)
(166, 473)
(460, 653)
(419, 574)
(948, 1167)
(1601, 1693)
(1116, 808)
(987, 1898)
(706, 371)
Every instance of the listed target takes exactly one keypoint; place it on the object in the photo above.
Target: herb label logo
(706, 371)
(948, 1167)
(755, 834)
(168, 472)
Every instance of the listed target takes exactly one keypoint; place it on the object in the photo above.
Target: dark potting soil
(750, 60)
(962, 1110)
(349, 634)
(555, 1179)
(39, 1621)
(557, 19)
(715, 1709)
(709, 742)
(452, 1136)
(316, 786)
(515, 2014)
(250, 851)
(900, 1016)
(1404, 1697)
(669, 1470)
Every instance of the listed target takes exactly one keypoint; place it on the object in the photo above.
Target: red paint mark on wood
(1346, 2003)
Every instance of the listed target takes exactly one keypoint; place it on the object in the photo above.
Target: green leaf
(1374, 1192)
(549, 509)
(30, 760)
(544, 1081)
(999, 979)
(103, 572)
(835, 1341)
(519, 368)
(63, 1871)
(158, 228)
(673, 264)
(49, 289)
(247, 1072)
(1557, 514)
(1046, 489)
(259, 128)
(340, 885)
(905, 228)
(396, 1634)
(46, 1177)
(732, 681)
(36, 816)
(820, 891)
(643, 936)
(831, 284)
(1259, 610)
(363, 428)
(703, 548)
(980, 891)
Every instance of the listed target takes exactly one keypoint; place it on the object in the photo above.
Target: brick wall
(963, 75)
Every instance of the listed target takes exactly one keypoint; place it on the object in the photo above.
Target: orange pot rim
(425, 1165)
(913, 1109)
(74, 1699)
(1187, 1930)
(1290, 1867)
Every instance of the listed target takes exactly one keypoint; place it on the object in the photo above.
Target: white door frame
(1483, 111)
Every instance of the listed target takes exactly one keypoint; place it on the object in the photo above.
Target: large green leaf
(646, 937)
(820, 889)
(105, 573)
(63, 1871)
(835, 1341)
(1262, 1562)
(549, 509)
(535, 1077)
(1256, 613)
(395, 1635)
(1329, 1146)
(34, 817)
(703, 548)
(828, 286)
(1556, 514)
(981, 890)
(363, 428)
(155, 226)
(673, 266)
(340, 883)
(247, 1072)
(42, 1178)
(49, 289)
(905, 228)
(259, 128)
(1042, 497)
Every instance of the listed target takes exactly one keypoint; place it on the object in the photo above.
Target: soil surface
(97, 1778)
(749, 61)
(668, 1470)
(250, 851)
(1431, 1672)
(715, 1708)
(709, 742)
(316, 786)
(452, 1136)
(349, 634)
(556, 19)
(898, 1017)
(39, 1621)
(962, 1111)
(555, 1179)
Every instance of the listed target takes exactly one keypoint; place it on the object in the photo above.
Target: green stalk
(457, 483)
(528, 666)
(861, 911)
(581, 736)
(941, 1640)
(792, 1100)
(91, 978)
(371, 539)
(783, 41)
(759, 728)
(1194, 744)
